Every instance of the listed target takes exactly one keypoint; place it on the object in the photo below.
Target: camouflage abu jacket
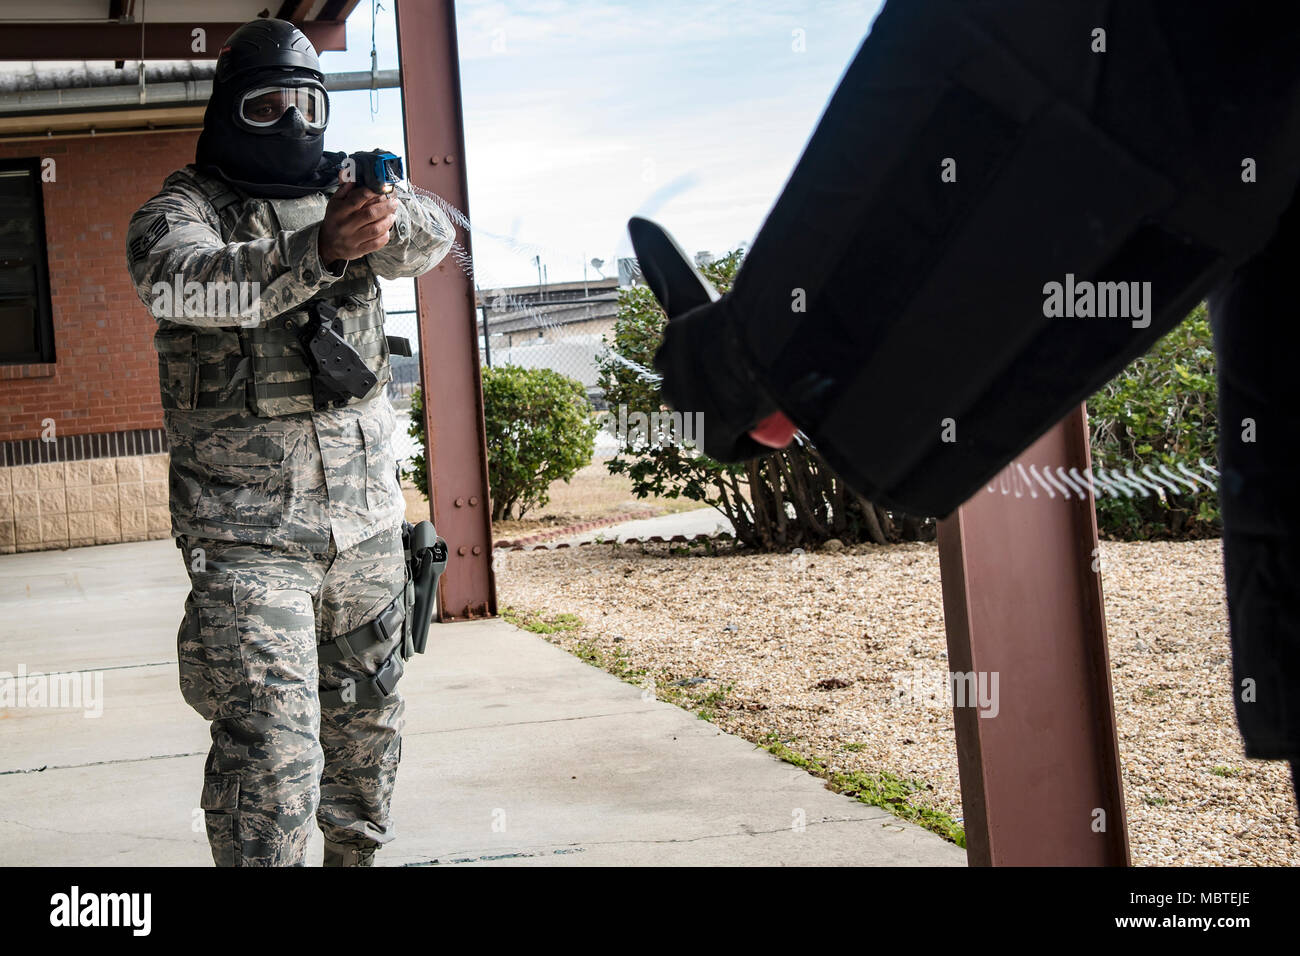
(292, 480)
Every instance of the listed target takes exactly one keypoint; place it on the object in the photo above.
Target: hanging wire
(144, 93)
(374, 62)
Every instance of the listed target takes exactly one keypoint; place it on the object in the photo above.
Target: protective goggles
(266, 105)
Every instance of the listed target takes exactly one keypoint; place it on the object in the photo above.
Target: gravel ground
(771, 663)
(590, 494)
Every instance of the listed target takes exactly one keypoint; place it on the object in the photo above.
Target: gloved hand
(357, 221)
(775, 431)
(702, 361)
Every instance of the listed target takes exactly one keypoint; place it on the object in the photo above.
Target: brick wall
(92, 501)
(58, 489)
(105, 374)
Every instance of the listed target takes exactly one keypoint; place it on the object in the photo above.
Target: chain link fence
(560, 326)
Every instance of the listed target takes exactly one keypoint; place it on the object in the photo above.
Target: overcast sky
(580, 114)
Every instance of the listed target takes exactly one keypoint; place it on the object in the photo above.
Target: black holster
(338, 373)
(426, 559)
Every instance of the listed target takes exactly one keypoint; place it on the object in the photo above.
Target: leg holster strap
(384, 629)
(387, 630)
(370, 692)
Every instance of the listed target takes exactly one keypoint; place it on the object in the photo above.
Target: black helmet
(266, 44)
(268, 65)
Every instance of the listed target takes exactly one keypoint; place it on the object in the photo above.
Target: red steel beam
(295, 11)
(123, 41)
(449, 356)
(1040, 781)
(337, 9)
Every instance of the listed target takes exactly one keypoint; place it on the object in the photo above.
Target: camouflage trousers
(248, 663)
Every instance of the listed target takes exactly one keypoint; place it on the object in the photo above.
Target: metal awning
(145, 66)
(128, 105)
(154, 30)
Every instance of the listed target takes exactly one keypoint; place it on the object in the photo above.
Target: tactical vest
(265, 369)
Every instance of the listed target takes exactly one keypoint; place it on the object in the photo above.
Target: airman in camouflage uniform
(286, 507)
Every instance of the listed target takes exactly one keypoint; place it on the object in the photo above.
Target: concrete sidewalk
(515, 752)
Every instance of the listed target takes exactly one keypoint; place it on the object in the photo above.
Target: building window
(26, 327)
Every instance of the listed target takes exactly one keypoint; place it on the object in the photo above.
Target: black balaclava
(286, 159)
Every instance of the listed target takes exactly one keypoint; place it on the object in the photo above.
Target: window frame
(44, 318)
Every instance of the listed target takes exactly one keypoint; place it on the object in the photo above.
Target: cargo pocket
(220, 805)
(211, 661)
(276, 626)
(177, 368)
(177, 381)
(242, 475)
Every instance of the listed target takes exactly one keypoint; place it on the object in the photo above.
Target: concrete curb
(571, 529)
(653, 539)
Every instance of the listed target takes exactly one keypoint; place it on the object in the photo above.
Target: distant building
(560, 326)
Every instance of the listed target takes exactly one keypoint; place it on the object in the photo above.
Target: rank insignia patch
(147, 239)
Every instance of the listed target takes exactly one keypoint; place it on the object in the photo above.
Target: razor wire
(1132, 480)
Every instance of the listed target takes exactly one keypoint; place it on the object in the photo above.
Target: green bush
(418, 473)
(1161, 409)
(539, 429)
